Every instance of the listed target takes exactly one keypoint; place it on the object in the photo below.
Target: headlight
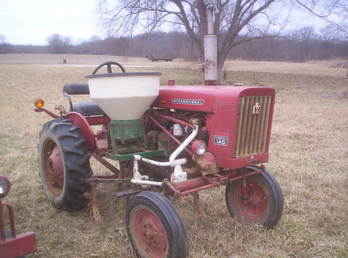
(177, 130)
(5, 186)
(199, 147)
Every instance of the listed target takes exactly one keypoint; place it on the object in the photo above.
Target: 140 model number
(220, 140)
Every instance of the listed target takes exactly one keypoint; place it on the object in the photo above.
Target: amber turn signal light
(39, 103)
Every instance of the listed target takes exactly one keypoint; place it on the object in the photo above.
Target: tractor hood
(206, 98)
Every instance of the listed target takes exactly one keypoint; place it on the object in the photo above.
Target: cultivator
(12, 244)
(169, 141)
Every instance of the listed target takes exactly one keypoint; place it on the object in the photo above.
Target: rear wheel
(64, 164)
(258, 200)
(154, 227)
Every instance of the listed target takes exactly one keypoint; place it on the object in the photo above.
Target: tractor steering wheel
(108, 65)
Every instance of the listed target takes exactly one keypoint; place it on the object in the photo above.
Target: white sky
(32, 21)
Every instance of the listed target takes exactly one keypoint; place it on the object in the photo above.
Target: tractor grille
(253, 125)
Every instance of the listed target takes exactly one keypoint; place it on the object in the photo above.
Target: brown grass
(309, 157)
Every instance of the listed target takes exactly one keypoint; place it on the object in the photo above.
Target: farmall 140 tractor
(170, 141)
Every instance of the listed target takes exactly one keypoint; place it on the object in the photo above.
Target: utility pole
(210, 51)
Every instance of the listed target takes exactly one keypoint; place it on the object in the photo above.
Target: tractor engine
(235, 122)
(199, 161)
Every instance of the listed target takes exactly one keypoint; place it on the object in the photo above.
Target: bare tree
(334, 12)
(58, 43)
(333, 33)
(235, 20)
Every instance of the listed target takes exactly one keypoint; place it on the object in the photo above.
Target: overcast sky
(32, 21)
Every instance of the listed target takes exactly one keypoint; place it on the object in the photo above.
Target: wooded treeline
(301, 45)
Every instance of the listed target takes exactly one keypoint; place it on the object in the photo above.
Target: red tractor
(12, 244)
(170, 142)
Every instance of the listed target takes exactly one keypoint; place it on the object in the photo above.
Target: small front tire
(154, 227)
(258, 201)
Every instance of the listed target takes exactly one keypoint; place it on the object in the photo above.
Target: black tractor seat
(87, 108)
(76, 89)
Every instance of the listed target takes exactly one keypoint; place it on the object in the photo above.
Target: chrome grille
(253, 125)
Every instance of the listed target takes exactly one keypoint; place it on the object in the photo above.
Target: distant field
(310, 68)
(309, 157)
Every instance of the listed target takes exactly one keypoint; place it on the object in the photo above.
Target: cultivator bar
(12, 244)
(198, 184)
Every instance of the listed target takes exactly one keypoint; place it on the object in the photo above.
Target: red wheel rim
(53, 169)
(148, 233)
(252, 201)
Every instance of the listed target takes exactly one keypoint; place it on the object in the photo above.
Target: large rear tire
(259, 201)
(154, 227)
(64, 164)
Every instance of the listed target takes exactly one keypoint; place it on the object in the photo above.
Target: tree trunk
(221, 73)
(203, 28)
(220, 68)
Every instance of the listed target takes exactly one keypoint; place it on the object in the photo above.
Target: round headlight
(5, 186)
(199, 147)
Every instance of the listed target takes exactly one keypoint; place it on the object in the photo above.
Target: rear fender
(81, 122)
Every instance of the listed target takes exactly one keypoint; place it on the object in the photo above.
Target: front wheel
(154, 227)
(257, 200)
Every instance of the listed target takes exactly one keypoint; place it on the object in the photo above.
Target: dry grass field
(309, 157)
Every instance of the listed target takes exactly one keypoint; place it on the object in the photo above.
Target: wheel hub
(55, 171)
(253, 200)
(149, 234)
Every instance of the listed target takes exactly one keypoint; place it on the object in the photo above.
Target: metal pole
(210, 52)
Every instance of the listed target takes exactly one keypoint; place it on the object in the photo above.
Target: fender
(81, 122)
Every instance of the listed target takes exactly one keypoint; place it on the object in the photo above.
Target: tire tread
(76, 162)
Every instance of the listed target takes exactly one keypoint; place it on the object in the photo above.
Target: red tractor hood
(205, 98)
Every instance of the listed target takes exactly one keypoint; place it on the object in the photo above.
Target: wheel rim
(252, 201)
(53, 168)
(148, 233)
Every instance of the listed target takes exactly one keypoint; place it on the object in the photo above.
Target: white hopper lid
(124, 96)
